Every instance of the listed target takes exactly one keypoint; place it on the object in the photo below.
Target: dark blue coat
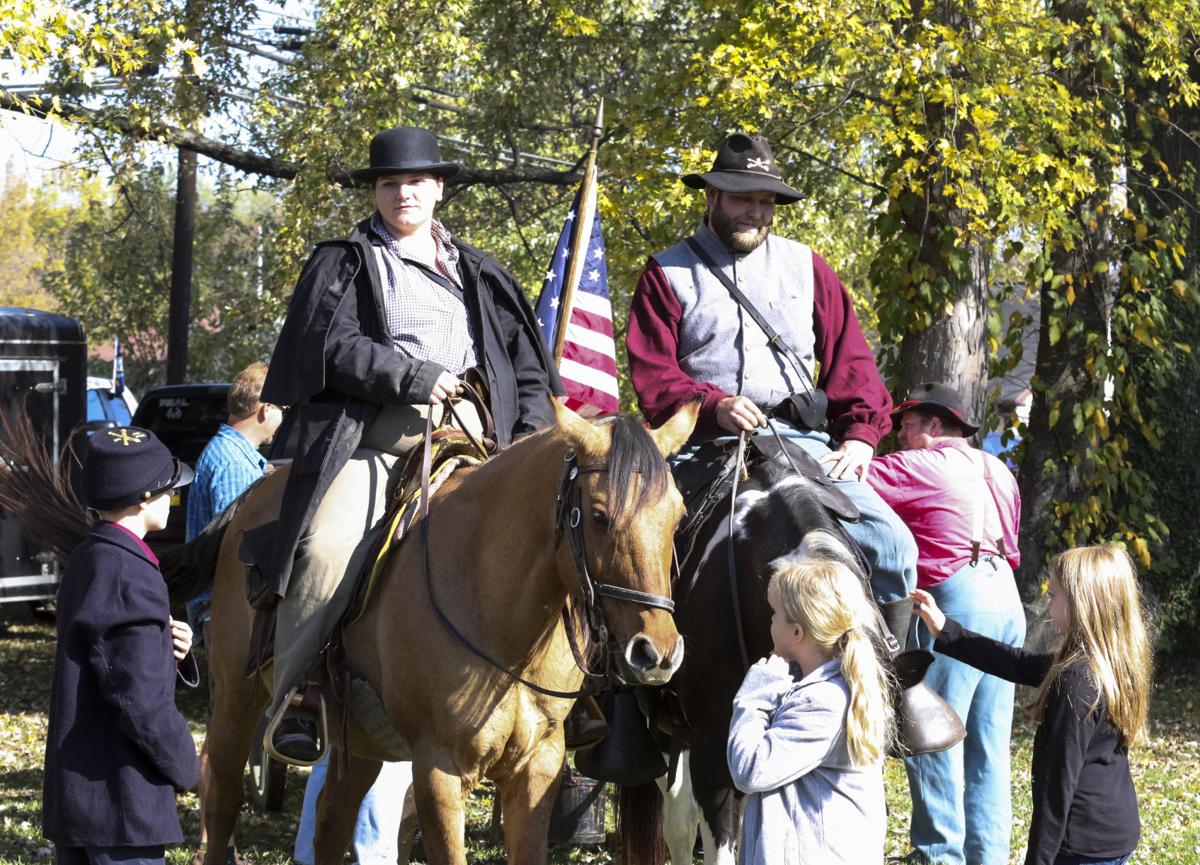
(117, 748)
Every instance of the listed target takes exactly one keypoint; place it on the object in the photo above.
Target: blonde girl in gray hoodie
(811, 726)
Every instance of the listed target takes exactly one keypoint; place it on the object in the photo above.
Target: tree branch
(73, 112)
(832, 166)
(246, 160)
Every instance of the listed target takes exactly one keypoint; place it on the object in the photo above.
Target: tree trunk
(954, 348)
(1052, 470)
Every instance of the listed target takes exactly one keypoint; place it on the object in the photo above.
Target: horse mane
(36, 492)
(637, 472)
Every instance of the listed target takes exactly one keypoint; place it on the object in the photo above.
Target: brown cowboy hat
(745, 163)
(936, 398)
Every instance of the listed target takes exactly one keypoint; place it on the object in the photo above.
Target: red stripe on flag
(580, 398)
(588, 357)
(591, 321)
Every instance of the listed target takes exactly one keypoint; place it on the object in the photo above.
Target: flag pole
(579, 241)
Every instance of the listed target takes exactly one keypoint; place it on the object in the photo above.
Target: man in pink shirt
(963, 509)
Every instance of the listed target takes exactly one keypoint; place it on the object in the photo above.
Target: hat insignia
(126, 437)
(759, 164)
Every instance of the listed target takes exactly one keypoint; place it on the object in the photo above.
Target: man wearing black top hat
(117, 749)
(964, 510)
(381, 327)
(746, 358)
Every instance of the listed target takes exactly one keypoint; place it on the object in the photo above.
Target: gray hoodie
(806, 802)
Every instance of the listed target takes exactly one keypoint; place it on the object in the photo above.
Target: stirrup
(295, 697)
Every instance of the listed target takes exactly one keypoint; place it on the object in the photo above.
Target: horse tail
(36, 491)
(189, 568)
(639, 825)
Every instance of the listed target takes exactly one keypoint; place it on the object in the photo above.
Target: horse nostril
(641, 654)
(672, 661)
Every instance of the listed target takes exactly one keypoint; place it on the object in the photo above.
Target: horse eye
(600, 518)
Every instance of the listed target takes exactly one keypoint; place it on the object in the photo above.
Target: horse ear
(583, 437)
(674, 434)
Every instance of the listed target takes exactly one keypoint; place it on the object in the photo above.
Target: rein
(568, 522)
(889, 641)
(731, 552)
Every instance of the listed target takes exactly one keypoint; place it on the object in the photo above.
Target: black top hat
(126, 465)
(939, 399)
(745, 163)
(404, 149)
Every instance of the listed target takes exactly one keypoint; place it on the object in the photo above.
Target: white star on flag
(554, 303)
(597, 253)
(593, 275)
(551, 275)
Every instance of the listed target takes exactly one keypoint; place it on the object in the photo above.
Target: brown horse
(501, 573)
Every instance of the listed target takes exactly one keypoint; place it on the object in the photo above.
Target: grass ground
(1166, 772)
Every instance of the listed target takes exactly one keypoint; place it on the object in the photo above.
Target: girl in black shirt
(1091, 707)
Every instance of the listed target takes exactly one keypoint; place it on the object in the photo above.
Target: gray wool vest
(719, 342)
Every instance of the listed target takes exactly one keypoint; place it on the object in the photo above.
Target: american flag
(588, 364)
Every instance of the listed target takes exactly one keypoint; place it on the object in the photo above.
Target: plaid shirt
(425, 320)
(228, 465)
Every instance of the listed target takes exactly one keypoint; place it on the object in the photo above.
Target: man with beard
(757, 355)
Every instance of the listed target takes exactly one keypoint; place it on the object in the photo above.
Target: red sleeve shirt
(934, 491)
(859, 404)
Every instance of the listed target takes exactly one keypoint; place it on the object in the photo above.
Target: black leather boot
(298, 738)
(897, 615)
(585, 725)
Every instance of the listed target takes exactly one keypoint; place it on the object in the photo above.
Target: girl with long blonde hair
(811, 725)
(1091, 707)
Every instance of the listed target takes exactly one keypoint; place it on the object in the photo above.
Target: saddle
(450, 450)
(706, 479)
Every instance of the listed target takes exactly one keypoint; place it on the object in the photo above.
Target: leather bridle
(568, 522)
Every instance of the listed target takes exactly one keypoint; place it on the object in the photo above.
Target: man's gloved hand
(737, 413)
(850, 461)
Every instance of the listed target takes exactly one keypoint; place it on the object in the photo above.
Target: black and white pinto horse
(779, 515)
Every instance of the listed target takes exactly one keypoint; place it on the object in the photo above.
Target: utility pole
(181, 269)
(179, 317)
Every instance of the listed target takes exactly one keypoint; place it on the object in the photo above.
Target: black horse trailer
(43, 370)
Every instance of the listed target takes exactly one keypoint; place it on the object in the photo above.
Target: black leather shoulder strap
(440, 278)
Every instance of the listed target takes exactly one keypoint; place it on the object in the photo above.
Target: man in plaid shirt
(229, 464)
(381, 330)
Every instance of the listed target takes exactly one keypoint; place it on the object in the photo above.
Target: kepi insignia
(126, 437)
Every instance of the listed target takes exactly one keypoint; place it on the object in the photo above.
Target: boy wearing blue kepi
(117, 748)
